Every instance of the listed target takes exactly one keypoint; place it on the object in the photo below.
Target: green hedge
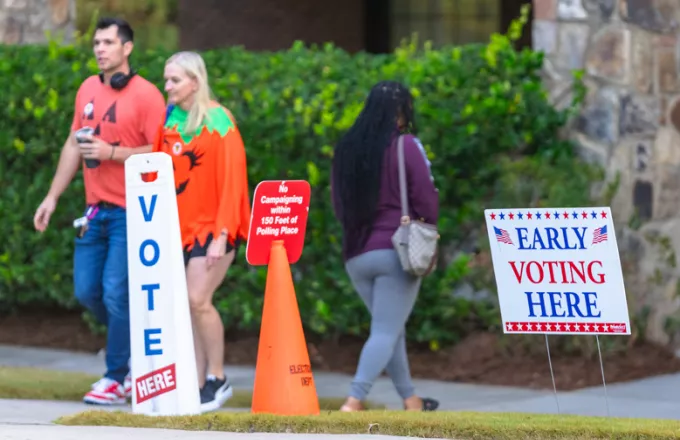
(490, 132)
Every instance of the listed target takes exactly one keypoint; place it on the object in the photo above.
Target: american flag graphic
(600, 234)
(502, 235)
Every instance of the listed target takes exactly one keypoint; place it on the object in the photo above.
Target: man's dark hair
(125, 32)
(358, 158)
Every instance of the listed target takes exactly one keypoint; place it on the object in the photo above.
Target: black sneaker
(214, 393)
(430, 404)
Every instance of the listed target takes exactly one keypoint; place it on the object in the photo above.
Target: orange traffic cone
(284, 384)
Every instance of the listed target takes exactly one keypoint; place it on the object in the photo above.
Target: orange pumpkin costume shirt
(211, 179)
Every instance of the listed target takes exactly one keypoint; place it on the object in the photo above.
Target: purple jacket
(423, 197)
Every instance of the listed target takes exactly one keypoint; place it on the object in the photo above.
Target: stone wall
(25, 21)
(630, 124)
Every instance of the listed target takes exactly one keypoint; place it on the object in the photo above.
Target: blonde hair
(193, 65)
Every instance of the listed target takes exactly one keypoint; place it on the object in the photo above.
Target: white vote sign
(558, 271)
(164, 378)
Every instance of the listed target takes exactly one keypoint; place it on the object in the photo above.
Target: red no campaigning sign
(280, 211)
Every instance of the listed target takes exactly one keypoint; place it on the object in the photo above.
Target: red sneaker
(106, 392)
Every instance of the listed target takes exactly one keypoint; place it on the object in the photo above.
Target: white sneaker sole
(222, 395)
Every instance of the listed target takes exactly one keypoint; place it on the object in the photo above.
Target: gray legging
(389, 294)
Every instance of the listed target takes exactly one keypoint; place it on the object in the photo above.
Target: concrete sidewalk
(33, 420)
(650, 398)
(41, 432)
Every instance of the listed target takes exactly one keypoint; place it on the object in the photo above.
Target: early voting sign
(164, 378)
(558, 271)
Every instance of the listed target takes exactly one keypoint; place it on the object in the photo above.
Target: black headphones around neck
(119, 80)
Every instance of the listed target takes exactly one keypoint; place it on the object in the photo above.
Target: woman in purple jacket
(365, 192)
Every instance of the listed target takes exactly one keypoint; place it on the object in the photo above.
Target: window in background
(154, 21)
(445, 22)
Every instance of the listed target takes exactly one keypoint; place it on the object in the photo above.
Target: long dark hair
(358, 156)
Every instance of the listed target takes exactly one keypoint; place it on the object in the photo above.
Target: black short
(201, 251)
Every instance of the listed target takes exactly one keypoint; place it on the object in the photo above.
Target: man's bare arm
(69, 162)
(119, 154)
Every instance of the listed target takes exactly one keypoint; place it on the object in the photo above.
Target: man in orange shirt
(124, 111)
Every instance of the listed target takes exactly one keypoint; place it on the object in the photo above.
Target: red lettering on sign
(155, 383)
(280, 210)
(570, 272)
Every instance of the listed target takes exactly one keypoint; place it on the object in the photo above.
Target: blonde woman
(209, 160)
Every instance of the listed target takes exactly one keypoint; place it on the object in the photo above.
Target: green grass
(30, 383)
(37, 384)
(451, 425)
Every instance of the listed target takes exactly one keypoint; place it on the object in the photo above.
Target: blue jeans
(100, 275)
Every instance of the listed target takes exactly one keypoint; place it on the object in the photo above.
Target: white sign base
(558, 271)
(164, 378)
